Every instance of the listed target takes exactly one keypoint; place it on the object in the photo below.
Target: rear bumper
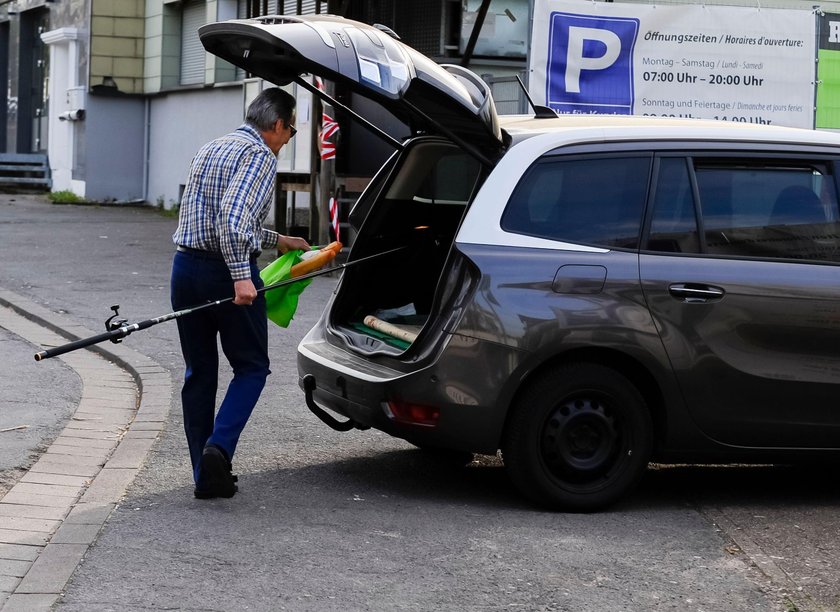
(360, 389)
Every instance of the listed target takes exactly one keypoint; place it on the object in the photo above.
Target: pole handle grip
(84, 342)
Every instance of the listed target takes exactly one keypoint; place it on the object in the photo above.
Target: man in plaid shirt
(219, 237)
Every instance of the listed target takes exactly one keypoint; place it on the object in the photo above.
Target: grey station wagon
(585, 294)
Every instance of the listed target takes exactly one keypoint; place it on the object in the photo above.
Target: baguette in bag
(314, 260)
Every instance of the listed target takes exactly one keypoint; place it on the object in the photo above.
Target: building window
(257, 8)
(307, 7)
(193, 16)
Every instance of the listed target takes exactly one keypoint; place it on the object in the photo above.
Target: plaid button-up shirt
(227, 198)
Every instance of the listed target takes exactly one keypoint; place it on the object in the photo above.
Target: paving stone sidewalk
(50, 517)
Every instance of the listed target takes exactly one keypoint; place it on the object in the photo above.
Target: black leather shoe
(214, 477)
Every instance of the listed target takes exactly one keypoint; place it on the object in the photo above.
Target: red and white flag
(327, 150)
(329, 127)
(334, 217)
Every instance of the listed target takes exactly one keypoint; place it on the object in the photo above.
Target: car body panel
(770, 346)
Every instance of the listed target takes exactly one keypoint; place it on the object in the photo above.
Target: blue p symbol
(590, 63)
(577, 60)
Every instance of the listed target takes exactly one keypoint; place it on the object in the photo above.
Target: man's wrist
(270, 239)
(240, 271)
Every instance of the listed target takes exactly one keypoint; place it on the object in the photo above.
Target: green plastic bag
(281, 303)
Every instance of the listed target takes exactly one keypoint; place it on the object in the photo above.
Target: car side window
(592, 200)
(776, 209)
(763, 208)
(673, 226)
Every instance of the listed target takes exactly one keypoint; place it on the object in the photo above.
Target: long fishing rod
(120, 328)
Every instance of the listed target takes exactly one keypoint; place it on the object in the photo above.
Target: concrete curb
(55, 512)
(784, 584)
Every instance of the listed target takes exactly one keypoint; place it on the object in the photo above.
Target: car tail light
(412, 414)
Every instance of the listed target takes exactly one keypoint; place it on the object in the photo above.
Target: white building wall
(66, 93)
(179, 124)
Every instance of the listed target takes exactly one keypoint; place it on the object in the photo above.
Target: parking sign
(590, 63)
(730, 63)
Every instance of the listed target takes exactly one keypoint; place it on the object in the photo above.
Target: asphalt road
(23, 431)
(361, 521)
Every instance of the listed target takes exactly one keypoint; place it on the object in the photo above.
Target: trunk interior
(382, 304)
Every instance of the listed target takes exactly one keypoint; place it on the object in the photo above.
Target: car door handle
(696, 293)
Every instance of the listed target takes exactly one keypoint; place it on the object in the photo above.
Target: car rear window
(436, 173)
(590, 200)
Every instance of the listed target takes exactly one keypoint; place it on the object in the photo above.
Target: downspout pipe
(147, 135)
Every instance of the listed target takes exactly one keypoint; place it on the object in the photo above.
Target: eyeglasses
(293, 131)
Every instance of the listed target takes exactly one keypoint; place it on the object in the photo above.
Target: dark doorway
(4, 78)
(33, 70)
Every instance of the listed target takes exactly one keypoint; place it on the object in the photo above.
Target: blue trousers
(243, 334)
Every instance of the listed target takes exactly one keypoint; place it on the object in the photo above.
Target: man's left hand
(244, 292)
(291, 243)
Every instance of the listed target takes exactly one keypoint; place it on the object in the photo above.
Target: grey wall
(114, 138)
(181, 122)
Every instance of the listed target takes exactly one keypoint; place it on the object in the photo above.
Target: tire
(578, 438)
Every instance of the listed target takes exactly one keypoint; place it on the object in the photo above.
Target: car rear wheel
(578, 438)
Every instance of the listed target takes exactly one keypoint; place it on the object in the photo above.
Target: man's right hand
(245, 292)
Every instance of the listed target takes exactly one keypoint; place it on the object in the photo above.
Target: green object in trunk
(281, 303)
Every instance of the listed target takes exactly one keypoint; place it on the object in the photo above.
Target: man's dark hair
(269, 106)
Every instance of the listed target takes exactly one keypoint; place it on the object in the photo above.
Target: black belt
(214, 255)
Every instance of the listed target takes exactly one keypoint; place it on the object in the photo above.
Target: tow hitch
(309, 389)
